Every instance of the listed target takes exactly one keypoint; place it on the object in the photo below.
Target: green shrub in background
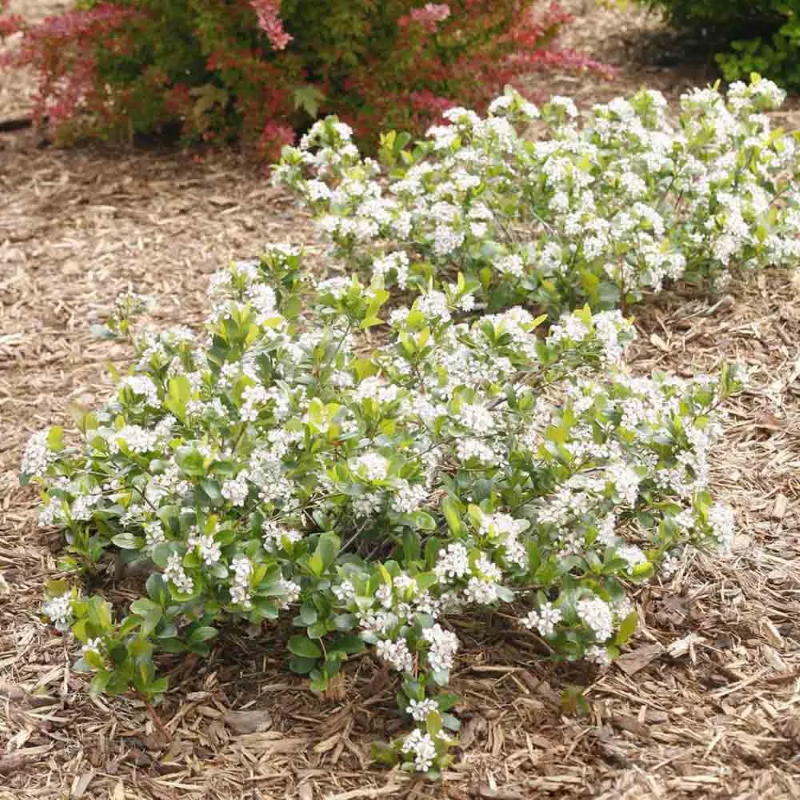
(599, 210)
(764, 36)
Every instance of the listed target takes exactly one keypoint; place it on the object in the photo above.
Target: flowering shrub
(259, 69)
(279, 464)
(596, 211)
(762, 35)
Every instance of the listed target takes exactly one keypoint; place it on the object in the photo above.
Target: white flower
(274, 534)
(565, 104)
(409, 497)
(598, 655)
(434, 306)
(236, 490)
(372, 466)
(174, 572)
(345, 592)
(476, 418)
(37, 456)
(443, 647)
(544, 621)
(83, 506)
(671, 564)
(447, 239)
(136, 438)
(206, 544)
(722, 522)
(59, 610)
(153, 533)
(511, 265)
(242, 569)
(452, 563)
(143, 386)
(93, 646)
(422, 747)
(480, 592)
(633, 555)
(468, 449)
(420, 709)
(291, 591)
(597, 614)
(396, 653)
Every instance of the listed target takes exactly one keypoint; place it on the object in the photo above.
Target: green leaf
(102, 332)
(308, 98)
(317, 630)
(327, 549)
(99, 682)
(171, 646)
(627, 628)
(302, 666)
(161, 552)
(127, 541)
(423, 521)
(348, 644)
(203, 634)
(383, 753)
(55, 439)
(451, 722)
(303, 646)
(308, 614)
(316, 564)
(150, 613)
(345, 622)
(157, 589)
(212, 490)
(573, 701)
(190, 461)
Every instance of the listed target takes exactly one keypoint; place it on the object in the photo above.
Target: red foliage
(61, 49)
(259, 69)
(268, 13)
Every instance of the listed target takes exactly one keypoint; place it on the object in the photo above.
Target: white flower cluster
(175, 572)
(544, 620)
(597, 614)
(396, 653)
(443, 647)
(38, 455)
(59, 610)
(422, 747)
(242, 569)
(421, 709)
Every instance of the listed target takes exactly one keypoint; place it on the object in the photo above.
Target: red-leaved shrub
(259, 70)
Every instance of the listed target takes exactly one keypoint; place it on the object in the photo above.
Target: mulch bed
(706, 703)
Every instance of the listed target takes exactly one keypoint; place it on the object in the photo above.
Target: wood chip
(656, 340)
(636, 660)
(780, 507)
(248, 721)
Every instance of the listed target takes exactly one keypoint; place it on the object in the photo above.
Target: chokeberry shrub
(289, 461)
(257, 70)
(595, 210)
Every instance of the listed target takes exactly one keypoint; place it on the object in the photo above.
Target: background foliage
(764, 36)
(262, 69)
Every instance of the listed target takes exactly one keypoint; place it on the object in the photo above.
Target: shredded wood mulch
(706, 703)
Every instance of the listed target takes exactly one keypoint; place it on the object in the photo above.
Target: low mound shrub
(760, 36)
(594, 210)
(257, 70)
(288, 462)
